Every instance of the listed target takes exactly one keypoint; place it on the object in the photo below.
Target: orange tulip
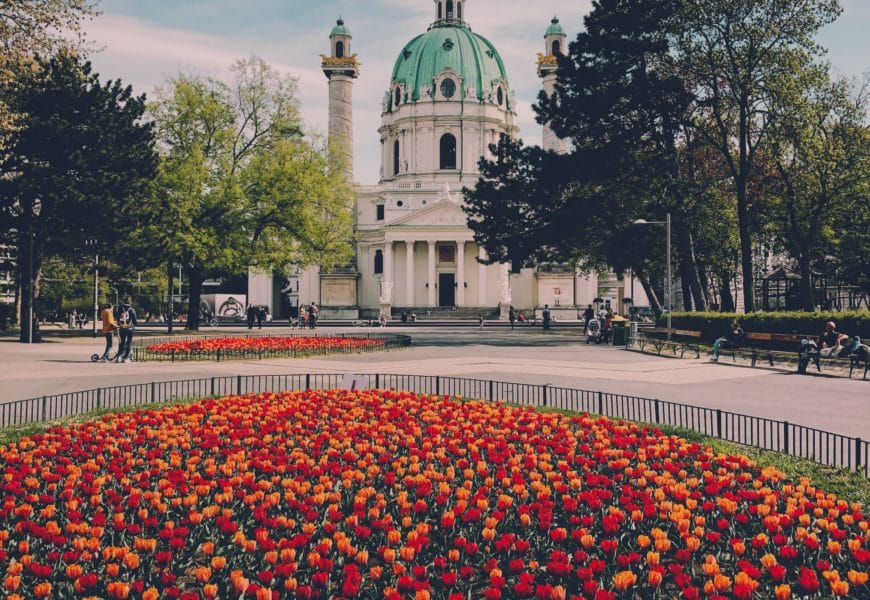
(42, 590)
(857, 578)
(624, 580)
(783, 592)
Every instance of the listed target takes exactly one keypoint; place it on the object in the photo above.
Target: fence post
(544, 396)
(44, 407)
(239, 385)
(858, 443)
(492, 387)
(658, 417)
(377, 381)
(307, 381)
(219, 355)
(785, 439)
(153, 392)
(212, 387)
(719, 423)
(99, 394)
(438, 385)
(173, 356)
(600, 403)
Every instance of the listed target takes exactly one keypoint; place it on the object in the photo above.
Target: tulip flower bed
(383, 494)
(244, 347)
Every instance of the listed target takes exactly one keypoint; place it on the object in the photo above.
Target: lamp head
(640, 221)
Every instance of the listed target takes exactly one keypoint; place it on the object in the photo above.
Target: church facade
(447, 100)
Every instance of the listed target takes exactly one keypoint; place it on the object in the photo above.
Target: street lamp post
(92, 243)
(669, 286)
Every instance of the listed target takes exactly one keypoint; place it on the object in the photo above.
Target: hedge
(713, 324)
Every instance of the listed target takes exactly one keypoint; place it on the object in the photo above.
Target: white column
(431, 275)
(460, 273)
(409, 273)
(481, 278)
(388, 261)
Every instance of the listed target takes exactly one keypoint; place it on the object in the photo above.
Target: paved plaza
(527, 355)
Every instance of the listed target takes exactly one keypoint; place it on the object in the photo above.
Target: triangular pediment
(443, 213)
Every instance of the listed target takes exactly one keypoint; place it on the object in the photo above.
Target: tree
(28, 28)
(80, 156)
(238, 184)
(738, 55)
(822, 156)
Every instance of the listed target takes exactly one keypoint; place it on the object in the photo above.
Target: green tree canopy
(80, 157)
(239, 186)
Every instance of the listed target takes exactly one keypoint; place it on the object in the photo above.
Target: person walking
(126, 325)
(512, 317)
(251, 315)
(261, 316)
(109, 327)
(545, 316)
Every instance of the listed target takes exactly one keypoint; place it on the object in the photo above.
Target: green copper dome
(453, 47)
(554, 28)
(340, 29)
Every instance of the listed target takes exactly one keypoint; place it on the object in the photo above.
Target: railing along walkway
(823, 447)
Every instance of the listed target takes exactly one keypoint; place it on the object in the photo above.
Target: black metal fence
(826, 448)
(383, 341)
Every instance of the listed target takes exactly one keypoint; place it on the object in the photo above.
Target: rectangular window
(380, 212)
(447, 254)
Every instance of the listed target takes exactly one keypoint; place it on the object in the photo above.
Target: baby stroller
(597, 334)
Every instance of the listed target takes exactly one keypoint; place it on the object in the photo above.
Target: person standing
(588, 315)
(251, 314)
(545, 316)
(126, 325)
(512, 317)
(261, 316)
(312, 316)
(109, 327)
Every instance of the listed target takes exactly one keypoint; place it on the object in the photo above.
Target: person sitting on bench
(732, 339)
(831, 341)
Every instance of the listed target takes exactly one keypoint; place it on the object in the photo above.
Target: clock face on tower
(448, 88)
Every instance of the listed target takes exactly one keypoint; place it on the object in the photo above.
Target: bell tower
(548, 66)
(341, 68)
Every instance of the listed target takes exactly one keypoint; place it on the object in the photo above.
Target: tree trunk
(171, 305)
(689, 270)
(808, 302)
(705, 284)
(728, 305)
(194, 296)
(654, 301)
(745, 247)
(27, 273)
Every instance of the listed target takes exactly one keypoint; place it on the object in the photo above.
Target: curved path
(526, 355)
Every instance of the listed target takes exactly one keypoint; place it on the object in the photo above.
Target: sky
(146, 42)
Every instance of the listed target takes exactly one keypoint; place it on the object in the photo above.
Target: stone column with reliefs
(341, 68)
(481, 278)
(431, 273)
(460, 273)
(409, 273)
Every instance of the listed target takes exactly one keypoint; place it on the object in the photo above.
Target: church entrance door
(446, 289)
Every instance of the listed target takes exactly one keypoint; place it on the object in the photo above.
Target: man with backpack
(109, 327)
(126, 325)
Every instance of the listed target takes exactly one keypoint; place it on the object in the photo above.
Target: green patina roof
(454, 47)
(340, 29)
(554, 28)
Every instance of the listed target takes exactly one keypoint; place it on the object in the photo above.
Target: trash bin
(619, 332)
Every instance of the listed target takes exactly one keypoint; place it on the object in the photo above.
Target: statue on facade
(445, 192)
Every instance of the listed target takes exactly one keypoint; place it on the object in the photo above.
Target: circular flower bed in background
(272, 346)
(371, 494)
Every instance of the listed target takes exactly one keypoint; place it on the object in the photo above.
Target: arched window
(339, 49)
(557, 47)
(396, 157)
(439, 11)
(499, 95)
(459, 10)
(398, 98)
(448, 151)
(449, 10)
(379, 262)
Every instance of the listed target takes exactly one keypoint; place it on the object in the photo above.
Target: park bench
(762, 346)
(678, 345)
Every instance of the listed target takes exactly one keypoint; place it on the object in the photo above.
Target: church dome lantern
(450, 62)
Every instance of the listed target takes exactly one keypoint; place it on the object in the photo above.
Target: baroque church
(447, 100)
